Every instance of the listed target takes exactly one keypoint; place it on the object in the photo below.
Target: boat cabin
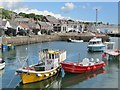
(109, 45)
(50, 59)
(95, 41)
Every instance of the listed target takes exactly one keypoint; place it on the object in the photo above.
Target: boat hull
(29, 77)
(77, 68)
(95, 49)
(74, 41)
(2, 66)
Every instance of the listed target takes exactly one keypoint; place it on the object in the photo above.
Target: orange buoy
(88, 68)
(94, 67)
(104, 55)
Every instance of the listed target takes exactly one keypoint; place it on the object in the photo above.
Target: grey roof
(52, 19)
(0, 21)
(42, 23)
(48, 23)
(13, 24)
(4, 23)
(34, 25)
(22, 19)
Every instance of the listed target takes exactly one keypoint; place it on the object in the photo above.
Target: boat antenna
(78, 57)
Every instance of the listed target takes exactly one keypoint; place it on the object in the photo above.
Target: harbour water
(104, 78)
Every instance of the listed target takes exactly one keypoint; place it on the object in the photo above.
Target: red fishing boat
(81, 67)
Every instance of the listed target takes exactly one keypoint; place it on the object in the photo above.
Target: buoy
(51, 72)
(16, 73)
(104, 64)
(55, 71)
(94, 67)
(88, 68)
(118, 51)
(94, 75)
(47, 75)
(39, 75)
(104, 55)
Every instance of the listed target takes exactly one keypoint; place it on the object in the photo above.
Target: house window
(75, 26)
(65, 28)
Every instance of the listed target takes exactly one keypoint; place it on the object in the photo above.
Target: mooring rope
(11, 81)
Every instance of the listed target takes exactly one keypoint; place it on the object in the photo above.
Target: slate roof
(42, 23)
(13, 24)
(4, 23)
(52, 19)
(34, 25)
(22, 19)
(0, 21)
(24, 25)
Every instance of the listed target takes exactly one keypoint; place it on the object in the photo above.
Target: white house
(74, 26)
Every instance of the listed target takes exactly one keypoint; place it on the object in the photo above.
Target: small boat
(2, 64)
(74, 40)
(95, 44)
(110, 52)
(7, 47)
(81, 67)
(48, 66)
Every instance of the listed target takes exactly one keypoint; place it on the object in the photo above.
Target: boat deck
(112, 52)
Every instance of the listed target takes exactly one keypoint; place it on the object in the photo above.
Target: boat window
(90, 42)
(56, 55)
(52, 56)
(94, 42)
(49, 56)
(98, 42)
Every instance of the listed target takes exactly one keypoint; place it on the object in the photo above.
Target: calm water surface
(104, 78)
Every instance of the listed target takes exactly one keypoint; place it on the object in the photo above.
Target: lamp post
(96, 16)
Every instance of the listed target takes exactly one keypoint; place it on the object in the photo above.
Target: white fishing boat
(2, 64)
(111, 51)
(74, 40)
(95, 44)
(48, 66)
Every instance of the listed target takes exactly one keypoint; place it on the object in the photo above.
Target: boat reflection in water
(72, 79)
(58, 81)
(42, 84)
(2, 72)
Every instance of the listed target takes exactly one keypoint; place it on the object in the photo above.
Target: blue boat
(7, 47)
(95, 44)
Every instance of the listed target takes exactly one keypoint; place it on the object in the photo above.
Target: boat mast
(78, 57)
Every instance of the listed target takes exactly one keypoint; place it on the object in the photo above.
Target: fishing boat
(74, 40)
(95, 44)
(2, 64)
(48, 66)
(47, 83)
(81, 67)
(110, 52)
